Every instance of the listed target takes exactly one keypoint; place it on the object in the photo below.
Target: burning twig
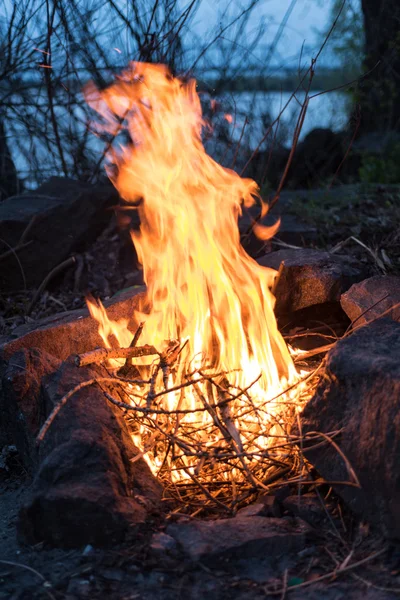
(100, 355)
(128, 367)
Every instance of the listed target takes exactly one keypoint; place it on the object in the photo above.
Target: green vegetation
(384, 168)
(361, 210)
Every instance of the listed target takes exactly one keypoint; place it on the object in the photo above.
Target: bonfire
(212, 391)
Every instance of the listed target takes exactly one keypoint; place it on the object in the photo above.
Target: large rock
(359, 397)
(75, 331)
(310, 277)
(240, 537)
(367, 300)
(316, 159)
(67, 214)
(22, 404)
(87, 489)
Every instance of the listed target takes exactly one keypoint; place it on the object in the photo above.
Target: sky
(307, 18)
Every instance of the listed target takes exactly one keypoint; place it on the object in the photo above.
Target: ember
(212, 405)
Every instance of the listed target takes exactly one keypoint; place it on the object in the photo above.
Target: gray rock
(75, 331)
(359, 396)
(266, 506)
(67, 214)
(310, 277)
(240, 537)
(308, 507)
(22, 401)
(163, 543)
(253, 510)
(85, 489)
(362, 296)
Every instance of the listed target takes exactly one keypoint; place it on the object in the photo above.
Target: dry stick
(155, 411)
(360, 243)
(351, 329)
(328, 575)
(300, 122)
(205, 490)
(235, 441)
(21, 242)
(358, 577)
(315, 351)
(100, 355)
(285, 584)
(78, 271)
(353, 137)
(64, 265)
(76, 389)
(14, 253)
(296, 136)
(27, 568)
(124, 370)
(238, 144)
(49, 88)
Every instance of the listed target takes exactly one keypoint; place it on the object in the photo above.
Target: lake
(259, 108)
(326, 110)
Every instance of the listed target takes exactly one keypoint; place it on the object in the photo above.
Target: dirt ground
(134, 570)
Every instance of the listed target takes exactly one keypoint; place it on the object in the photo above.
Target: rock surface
(381, 291)
(75, 331)
(310, 277)
(21, 400)
(87, 490)
(67, 216)
(308, 507)
(359, 396)
(239, 537)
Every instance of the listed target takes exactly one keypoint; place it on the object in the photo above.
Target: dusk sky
(307, 18)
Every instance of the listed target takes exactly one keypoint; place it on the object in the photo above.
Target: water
(256, 109)
(261, 108)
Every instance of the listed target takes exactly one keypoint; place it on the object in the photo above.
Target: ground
(133, 570)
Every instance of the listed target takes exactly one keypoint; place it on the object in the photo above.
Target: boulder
(240, 537)
(310, 277)
(309, 508)
(63, 217)
(368, 299)
(75, 331)
(316, 158)
(21, 400)
(359, 399)
(87, 490)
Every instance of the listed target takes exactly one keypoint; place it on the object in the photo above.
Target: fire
(204, 291)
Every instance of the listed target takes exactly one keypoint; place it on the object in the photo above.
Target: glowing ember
(202, 288)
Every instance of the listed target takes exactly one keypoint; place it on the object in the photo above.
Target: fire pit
(205, 381)
(211, 392)
(184, 399)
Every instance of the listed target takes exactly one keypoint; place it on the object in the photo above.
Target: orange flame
(201, 284)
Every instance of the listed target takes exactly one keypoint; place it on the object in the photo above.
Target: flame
(202, 286)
